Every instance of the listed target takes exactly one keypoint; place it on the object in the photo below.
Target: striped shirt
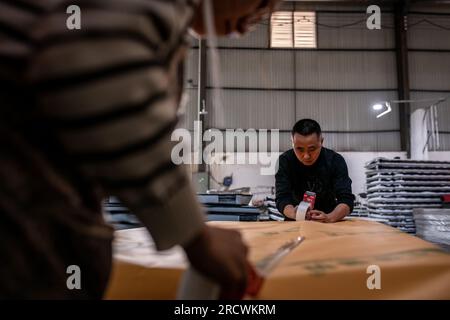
(101, 102)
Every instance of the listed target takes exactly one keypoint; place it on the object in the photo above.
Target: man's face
(233, 16)
(307, 148)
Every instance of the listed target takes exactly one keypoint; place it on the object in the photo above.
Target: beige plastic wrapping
(331, 263)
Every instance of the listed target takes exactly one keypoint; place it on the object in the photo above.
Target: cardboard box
(336, 261)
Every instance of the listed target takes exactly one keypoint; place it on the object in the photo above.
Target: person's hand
(290, 211)
(319, 216)
(308, 215)
(221, 255)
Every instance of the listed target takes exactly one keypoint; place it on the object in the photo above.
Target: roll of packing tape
(196, 286)
(302, 209)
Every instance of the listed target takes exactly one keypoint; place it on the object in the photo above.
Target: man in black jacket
(309, 166)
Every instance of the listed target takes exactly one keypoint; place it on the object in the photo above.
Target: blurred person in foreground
(89, 113)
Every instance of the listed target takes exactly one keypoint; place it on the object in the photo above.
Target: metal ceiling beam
(401, 44)
(201, 101)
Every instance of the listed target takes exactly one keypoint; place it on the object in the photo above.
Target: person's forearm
(339, 213)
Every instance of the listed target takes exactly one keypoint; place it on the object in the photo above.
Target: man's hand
(290, 211)
(221, 255)
(320, 216)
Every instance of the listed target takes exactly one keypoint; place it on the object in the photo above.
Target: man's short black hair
(305, 127)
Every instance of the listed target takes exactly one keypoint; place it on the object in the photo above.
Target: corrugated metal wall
(336, 84)
(429, 63)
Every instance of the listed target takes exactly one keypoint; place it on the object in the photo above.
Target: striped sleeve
(109, 92)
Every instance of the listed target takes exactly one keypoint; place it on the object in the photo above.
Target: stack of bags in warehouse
(230, 206)
(118, 215)
(396, 187)
(268, 205)
(274, 214)
(360, 208)
(434, 224)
